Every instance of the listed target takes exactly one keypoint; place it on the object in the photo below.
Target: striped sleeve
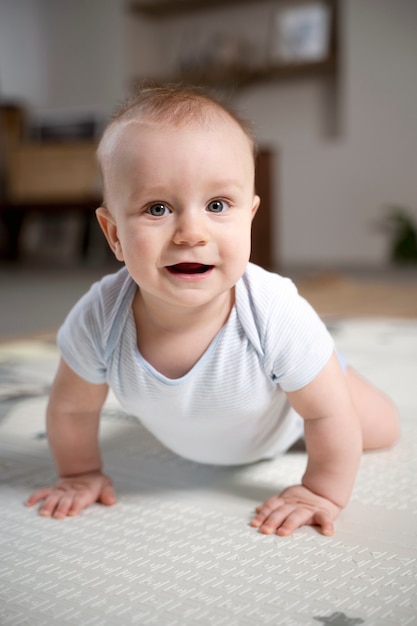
(296, 344)
(92, 327)
(80, 338)
(305, 344)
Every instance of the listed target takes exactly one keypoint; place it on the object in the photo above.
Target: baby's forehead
(117, 139)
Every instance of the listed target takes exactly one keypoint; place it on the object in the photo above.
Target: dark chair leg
(13, 222)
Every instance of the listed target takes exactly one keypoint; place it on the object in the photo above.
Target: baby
(221, 360)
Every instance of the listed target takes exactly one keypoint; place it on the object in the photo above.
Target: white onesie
(230, 407)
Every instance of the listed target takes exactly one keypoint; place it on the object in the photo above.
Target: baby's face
(181, 201)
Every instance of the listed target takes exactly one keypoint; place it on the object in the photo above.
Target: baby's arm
(334, 446)
(72, 421)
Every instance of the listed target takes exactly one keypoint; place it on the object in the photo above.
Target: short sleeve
(305, 344)
(292, 341)
(80, 338)
(92, 329)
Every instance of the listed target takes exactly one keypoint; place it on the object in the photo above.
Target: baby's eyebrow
(149, 195)
(229, 184)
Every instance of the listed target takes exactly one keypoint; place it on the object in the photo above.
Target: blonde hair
(172, 104)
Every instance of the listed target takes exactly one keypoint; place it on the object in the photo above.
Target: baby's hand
(70, 495)
(294, 507)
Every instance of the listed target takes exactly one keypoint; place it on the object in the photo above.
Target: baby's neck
(152, 314)
(174, 343)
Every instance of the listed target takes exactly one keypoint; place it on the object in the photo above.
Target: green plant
(404, 236)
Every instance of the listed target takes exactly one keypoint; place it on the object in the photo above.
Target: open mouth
(189, 268)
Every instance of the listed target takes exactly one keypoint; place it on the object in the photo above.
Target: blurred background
(331, 88)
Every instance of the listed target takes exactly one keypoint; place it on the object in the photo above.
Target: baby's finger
(263, 511)
(323, 520)
(297, 518)
(107, 496)
(269, 505)
(57, 504)
(48, 507)
(64, 505)
(259, 520)
(262, 515)
(275, 519)
(39, 495)
(79, 502)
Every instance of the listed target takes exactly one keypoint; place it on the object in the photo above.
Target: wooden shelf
(245, 76)
(162, 8)
(241, 76)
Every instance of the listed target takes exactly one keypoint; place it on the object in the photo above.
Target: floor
(177, 549)
(390, 293)
(36, 300)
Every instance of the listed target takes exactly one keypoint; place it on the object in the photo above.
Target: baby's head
(179, 194)
(167, 107)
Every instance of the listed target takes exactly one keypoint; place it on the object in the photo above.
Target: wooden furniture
(53, 171)
(14, 214)
(43, 177)
(163, 8)
(262, 223)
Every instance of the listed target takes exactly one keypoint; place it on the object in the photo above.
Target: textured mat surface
(177, 549)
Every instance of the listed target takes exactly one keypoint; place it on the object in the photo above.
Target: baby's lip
(189, 268)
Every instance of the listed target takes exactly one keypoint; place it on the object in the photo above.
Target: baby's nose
(191, 228)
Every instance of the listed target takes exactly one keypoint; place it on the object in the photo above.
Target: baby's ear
(109, 228)
(255, 205)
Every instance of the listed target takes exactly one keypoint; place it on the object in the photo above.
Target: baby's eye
(158, 209)
(217, 206)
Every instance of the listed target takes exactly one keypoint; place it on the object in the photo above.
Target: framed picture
(301, 32)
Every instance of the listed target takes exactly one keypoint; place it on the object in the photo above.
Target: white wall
(63, 54)
(86, 53)
(329, 191)
(23, 58)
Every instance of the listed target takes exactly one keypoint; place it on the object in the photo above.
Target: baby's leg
(377, 413)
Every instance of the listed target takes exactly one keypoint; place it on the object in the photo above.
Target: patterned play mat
(177, 549)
